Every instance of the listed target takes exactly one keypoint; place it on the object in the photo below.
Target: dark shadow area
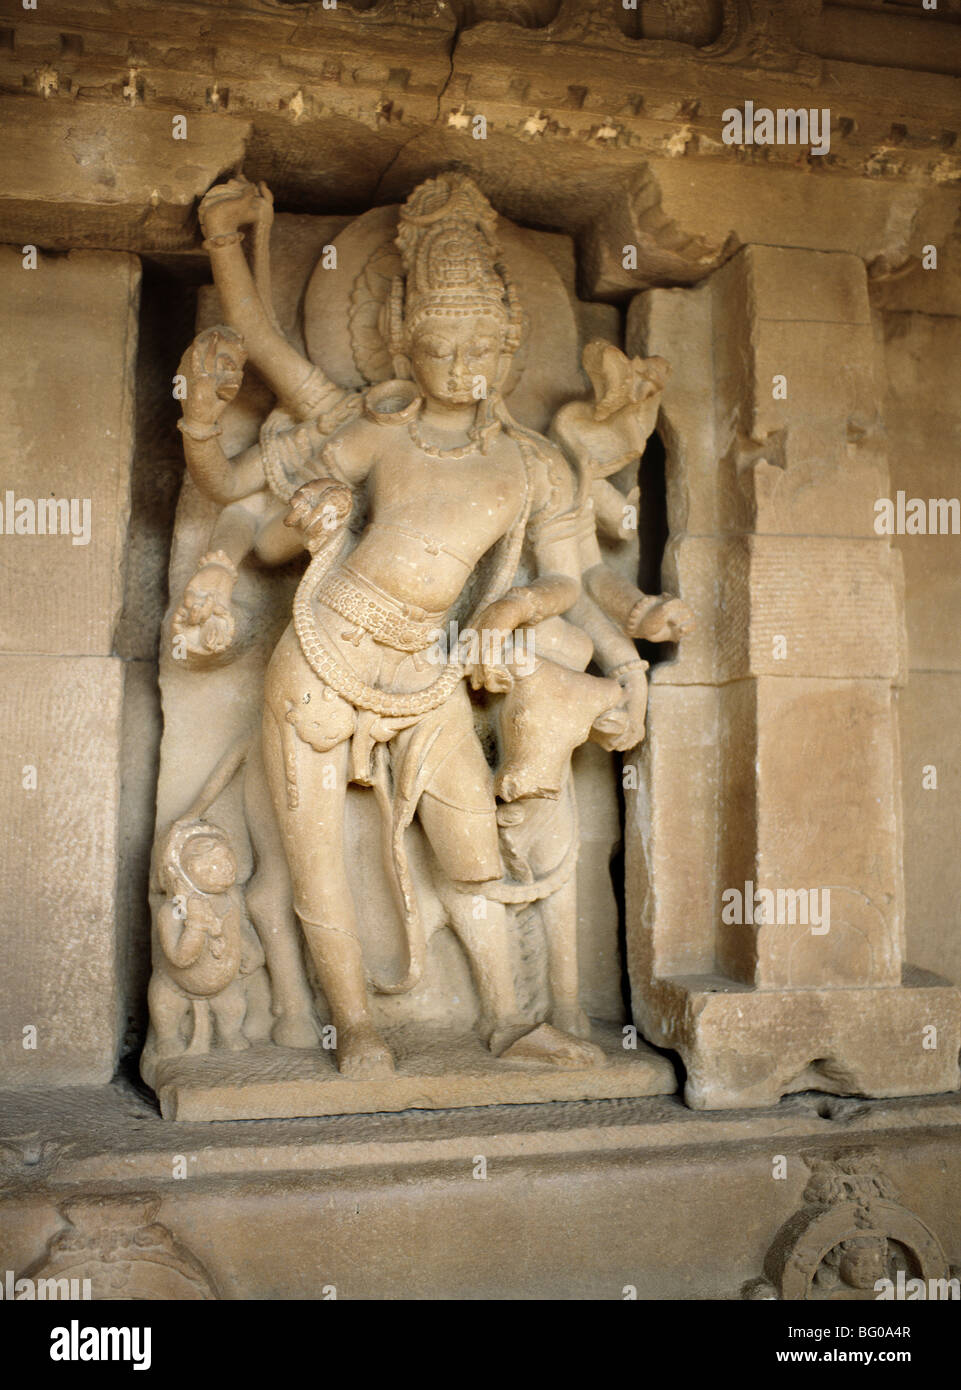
(168, 306)
(529, 14)
(653, 536)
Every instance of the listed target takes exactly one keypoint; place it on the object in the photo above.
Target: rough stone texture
(774, 591)
(580, 1200)
(932, 819)
(434, 1072)
(800, 598)
(339, 108)
(599, 129)
(923, 424)
(75, 170)
(61, 957)
(67, 363)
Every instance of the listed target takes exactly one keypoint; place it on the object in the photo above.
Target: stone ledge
(435, 1071)
(114, 1135)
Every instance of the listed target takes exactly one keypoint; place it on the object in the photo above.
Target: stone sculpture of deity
(438, 647)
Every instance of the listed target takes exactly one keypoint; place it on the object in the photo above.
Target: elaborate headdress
(448, 248)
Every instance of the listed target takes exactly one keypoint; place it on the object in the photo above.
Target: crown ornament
(447, 239)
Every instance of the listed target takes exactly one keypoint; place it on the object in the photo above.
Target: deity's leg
(259, 1018)
(458, 813)
(312, 829)
(558, 914)
(482, 927)
(271, 910)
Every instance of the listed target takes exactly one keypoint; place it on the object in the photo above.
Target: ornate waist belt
(398, 625)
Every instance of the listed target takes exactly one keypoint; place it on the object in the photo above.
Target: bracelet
(214, 243)
(636, 665)
(221, 560)
(199, 432)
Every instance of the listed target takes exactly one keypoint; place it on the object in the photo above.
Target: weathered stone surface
(771, 595)
(803, 644)
(83, 175)
(744, 1047)
(355, 1203)
(763, 762)
(593, 129)
(671, 870)
(434, 1072)
(931, 782)
(67, 360)
(684, 229)
(60, 971)
(923, 427)
(923, 284)
(922, 423)
(827, 760)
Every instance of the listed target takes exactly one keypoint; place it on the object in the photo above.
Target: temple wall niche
(603, 132)
(920, 420)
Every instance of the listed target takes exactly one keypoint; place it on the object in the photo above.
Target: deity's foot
(295, 1030)
(236, 1043)
(501, 1033)
(362, 1054)
(547, 1044)
(571, 1018)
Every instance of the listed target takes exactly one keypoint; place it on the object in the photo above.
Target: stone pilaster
(765, 886)
(67, 360)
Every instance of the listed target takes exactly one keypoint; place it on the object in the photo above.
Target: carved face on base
(863, 1261)
(456, 359)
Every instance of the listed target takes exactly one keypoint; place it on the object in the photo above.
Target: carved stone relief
(851, 1235)
(471, 530)
(118, 1245)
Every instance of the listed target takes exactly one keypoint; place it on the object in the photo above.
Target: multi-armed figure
(423, 503)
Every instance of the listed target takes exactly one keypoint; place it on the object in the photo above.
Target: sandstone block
(59, 950)
(931, 782)
(67, 361)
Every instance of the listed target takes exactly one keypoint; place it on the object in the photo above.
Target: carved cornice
(338, 108)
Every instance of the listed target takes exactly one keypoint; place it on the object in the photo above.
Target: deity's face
(211, 864)
(863, 1263)
(456, 360)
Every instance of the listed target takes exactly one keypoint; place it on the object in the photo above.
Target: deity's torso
(431, 516)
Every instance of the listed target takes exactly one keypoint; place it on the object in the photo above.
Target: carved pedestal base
(745, 1048)
(434, 1071)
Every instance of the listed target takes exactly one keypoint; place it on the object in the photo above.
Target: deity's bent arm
(222, 479)
(302, 388)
